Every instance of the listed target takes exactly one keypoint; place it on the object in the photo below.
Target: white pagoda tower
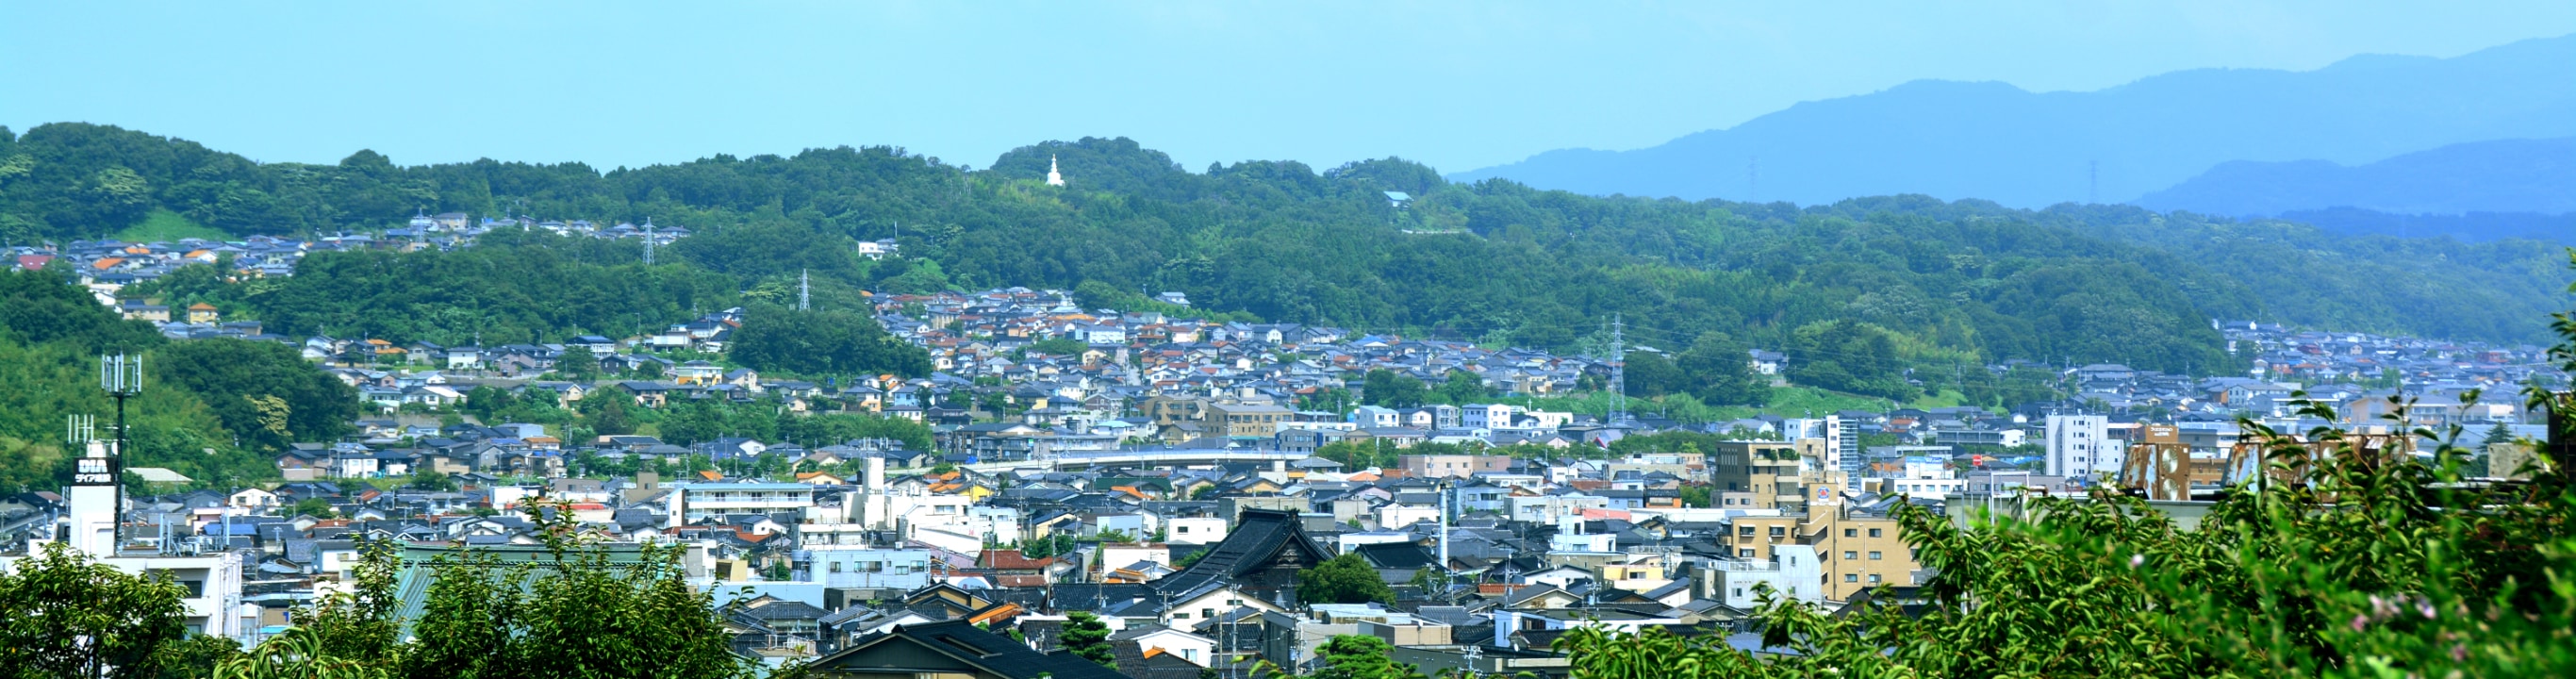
(1053, 178)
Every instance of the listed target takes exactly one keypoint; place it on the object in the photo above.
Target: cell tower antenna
(804, 290)
(121, 376)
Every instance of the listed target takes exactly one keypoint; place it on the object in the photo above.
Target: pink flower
(2359, 622)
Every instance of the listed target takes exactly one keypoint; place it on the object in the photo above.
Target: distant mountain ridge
(1957, 140)
(2511, 175)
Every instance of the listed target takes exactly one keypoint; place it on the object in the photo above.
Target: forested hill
(1931, 283)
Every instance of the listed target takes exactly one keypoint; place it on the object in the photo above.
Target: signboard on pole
(96, 471)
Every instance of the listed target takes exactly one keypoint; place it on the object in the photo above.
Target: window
(836, 567)
(1849, 555)
(1180, 616)
(1207, 613)
(1873, 578)
(1851, 533)
(1777, 531)
(1744, 553)
(1873, 556)
(1873, 532)
(1739, 592)
(1636, 575)
(1851, 577)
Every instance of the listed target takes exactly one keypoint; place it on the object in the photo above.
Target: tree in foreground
(65, 615)
(577, 614)
(2345, 561)
(1354, 656)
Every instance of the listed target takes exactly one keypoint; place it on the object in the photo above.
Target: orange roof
(201, 306)
(711, 475)
(1005, 610)
(107, 262)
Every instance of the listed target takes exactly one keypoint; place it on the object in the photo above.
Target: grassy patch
(167, 226)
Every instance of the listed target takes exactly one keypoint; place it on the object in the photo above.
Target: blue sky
(1459, 85)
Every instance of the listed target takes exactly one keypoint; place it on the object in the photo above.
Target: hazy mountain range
(1989, 140)
(2512, 175)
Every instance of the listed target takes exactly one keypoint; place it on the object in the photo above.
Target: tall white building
(2080, 446)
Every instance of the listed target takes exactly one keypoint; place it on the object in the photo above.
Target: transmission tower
(648, 241)
(2092, 181)
(804, 290)
(1752, 178)
(1618, 372)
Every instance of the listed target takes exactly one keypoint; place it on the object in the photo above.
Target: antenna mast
(121, 376)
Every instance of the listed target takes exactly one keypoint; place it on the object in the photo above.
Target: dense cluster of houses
(1191, 563)
(1160, 472)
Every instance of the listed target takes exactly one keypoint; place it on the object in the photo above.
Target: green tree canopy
(264, 391)
(69, 616)
(1088, 638)
(1381, 387)
(822, 343)
(1345, 579)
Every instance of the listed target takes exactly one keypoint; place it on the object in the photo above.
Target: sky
(1457, 85)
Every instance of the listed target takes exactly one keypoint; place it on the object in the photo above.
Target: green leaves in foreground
(2377, 565)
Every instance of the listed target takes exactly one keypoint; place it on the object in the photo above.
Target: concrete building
(691, 502)
(1452, 466)
(1794, 573)
(2080, 446)
(1766, 472)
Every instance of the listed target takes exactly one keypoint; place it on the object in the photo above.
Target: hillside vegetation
(210, 410)
(1858, 291)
